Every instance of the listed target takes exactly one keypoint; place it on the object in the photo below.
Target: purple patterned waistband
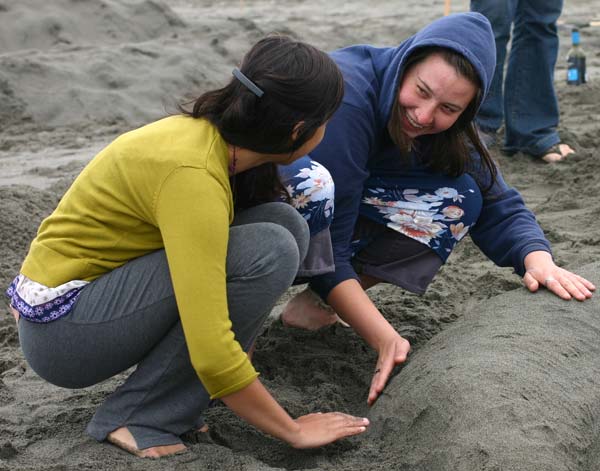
(43, 313)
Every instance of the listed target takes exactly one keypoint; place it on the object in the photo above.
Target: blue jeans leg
(531, 107)
(501, 14)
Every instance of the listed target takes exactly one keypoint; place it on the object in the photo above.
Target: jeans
(527, 103)
(129, 317)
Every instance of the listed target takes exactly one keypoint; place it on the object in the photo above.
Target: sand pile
(503, 388)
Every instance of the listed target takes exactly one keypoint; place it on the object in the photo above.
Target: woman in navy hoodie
(411, 180)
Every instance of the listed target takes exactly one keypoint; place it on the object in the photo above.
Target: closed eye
(450, 109)
(422, 91)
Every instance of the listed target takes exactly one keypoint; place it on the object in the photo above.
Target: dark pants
(524, 98)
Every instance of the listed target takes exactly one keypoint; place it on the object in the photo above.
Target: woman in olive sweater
(144, 263)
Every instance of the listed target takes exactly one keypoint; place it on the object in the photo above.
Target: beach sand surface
(498, 378)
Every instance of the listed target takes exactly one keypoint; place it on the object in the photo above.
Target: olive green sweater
(164, 185)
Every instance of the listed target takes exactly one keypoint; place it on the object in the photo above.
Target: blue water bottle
(575, 61)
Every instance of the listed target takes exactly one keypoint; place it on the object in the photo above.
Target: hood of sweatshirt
(378, 71)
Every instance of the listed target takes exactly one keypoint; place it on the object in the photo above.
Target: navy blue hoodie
(357, 145)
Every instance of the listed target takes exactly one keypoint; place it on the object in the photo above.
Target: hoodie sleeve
(507, 230)
(344, 153)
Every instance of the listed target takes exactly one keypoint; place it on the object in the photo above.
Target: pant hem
(145, 437)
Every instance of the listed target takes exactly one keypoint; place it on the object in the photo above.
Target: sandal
(556, 153)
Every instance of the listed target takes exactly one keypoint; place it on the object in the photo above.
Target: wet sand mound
(514, 384)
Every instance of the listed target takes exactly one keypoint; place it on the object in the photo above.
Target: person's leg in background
(311, 190)
(531, 106)
(500, 13)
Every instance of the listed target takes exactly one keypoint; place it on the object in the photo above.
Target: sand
(501, 389)
(498, 379)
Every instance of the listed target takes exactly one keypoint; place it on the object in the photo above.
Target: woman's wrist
(389, 334)
(536, 257)
(292, 435)
(256, 406)
(353, 305)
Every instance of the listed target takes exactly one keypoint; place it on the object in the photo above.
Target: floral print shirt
(311, 190)
(437, 212)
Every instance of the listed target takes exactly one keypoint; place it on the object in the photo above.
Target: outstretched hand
(320, 429)
(391, 353)
(542, 271)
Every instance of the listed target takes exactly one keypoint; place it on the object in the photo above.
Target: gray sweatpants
(129, 317)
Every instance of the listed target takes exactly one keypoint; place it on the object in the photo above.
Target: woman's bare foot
(122, 438)
(307, 311)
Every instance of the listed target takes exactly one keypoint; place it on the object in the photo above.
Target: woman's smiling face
(432, 96)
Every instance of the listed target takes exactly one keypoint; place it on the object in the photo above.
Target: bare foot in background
(307, 311)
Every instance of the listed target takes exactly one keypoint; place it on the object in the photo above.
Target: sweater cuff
(323, 284)
(532, 247)
(229, 380)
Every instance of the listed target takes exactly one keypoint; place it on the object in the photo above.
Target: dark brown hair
(449, 150)
(301, 84)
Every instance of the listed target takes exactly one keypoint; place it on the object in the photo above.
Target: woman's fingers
(380, 378)
(563, 283)
(392, 354)
(556, 287)
(531, 282)
(567, 285)
(584, 286)
(576, 288)
(319, 429)
(378, 382)
(353, 425)
(588, 284)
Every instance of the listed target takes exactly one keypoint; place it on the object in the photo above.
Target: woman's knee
(280, 214)
(266, 251)
(312, 192)
(290, 219)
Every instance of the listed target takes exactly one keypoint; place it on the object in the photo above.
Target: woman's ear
(297, 128)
